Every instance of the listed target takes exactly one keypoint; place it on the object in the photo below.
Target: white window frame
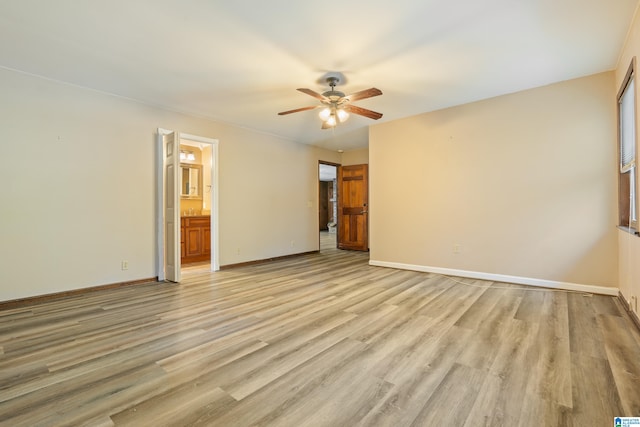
(627, 144)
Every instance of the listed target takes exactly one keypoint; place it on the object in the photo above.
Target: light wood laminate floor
(319, 340)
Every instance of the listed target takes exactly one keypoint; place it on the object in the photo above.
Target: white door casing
(168, 238)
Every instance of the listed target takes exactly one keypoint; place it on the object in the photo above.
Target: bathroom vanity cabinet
(195, 239)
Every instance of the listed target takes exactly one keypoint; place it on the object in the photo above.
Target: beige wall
(629, 268)
(629, 245)
(191, 205)
(72, 218)
(522, 183)
(355, 157)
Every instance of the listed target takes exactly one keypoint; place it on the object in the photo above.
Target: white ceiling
(240, 61)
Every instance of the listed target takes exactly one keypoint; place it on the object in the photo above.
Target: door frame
(160, 205)
(336, 165)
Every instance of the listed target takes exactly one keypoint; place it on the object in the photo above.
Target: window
(627, 196)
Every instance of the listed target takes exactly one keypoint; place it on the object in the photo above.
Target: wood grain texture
(319, 340)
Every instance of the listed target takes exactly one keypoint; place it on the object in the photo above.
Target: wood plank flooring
(320, 340)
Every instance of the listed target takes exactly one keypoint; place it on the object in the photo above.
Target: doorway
(328, 205)
(187, 203)
(196, 159)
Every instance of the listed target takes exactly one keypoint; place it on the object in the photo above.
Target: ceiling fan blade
(367, 93)
(313, 93)
(298, 110)
(362, 111)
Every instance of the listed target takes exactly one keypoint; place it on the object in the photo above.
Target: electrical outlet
(457, 248)
(238, 251)
(293, 243)
(124, 265)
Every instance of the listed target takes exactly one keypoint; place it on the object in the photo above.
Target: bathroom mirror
(190, 181)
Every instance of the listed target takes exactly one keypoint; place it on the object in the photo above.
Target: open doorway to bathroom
(196, 165)
(328, 204)
(187, 203)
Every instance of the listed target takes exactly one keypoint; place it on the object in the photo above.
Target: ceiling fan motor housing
(333, 95)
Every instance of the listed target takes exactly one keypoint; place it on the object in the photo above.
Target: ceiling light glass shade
(342, 115)
(191, 157)
(325, 114)
(183, 155)
(331, 121)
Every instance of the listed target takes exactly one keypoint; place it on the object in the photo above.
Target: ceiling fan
(337, 105)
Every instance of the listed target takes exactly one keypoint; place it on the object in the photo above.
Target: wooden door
(353, 207)
(171, 164)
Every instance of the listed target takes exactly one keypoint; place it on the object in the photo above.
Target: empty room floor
(319, 340)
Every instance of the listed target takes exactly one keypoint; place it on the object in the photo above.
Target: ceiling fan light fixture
(325, 114)
(342, 116)
(331, 121)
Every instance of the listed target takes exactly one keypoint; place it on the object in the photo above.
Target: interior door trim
(214, 202)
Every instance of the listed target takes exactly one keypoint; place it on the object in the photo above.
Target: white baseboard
(604, 290)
